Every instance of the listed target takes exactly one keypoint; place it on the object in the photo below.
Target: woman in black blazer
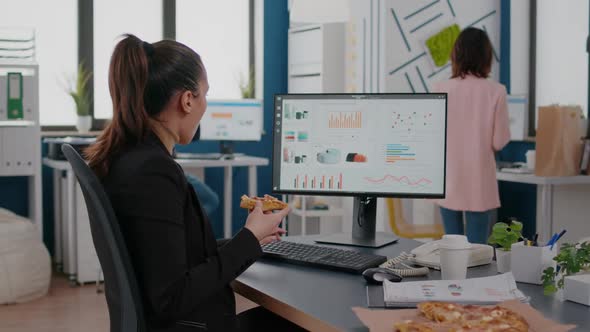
(159, 96)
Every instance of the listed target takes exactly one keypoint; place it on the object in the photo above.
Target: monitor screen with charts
(232, 120)
(378, 145)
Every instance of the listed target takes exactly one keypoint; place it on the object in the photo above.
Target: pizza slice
(442, 312)
(412, 326)
(269, 203)
(474, 318)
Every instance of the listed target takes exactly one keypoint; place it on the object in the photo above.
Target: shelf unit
(304, 213)
(316, 64)
(317, 213)
(20, 132)
(316, 58)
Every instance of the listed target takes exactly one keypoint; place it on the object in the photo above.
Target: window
(112, 18)
(56, 51)
(218, 32)
(562, 61)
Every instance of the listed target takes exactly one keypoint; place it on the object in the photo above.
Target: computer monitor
(360, 145)
(227, 121)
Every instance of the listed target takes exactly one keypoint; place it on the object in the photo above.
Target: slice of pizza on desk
(269, 203)
(453, 317)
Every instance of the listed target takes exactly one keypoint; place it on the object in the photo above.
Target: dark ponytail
(142, 79)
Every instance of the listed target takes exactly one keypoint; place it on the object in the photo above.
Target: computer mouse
(378, 274)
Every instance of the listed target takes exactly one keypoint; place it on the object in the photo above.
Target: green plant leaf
(548, 278)
(571, 259)
(78, 90)
(248, 85)
(516, 226)
(505, 235)
(549, 289)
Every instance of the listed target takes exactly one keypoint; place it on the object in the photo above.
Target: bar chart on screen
(307, 181)
(345, 120)
(398, 152)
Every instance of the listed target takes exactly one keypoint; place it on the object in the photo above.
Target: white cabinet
(20, 150)
(316, 58)
(74, 252)
(316, 65)
(87, 264)
(20, 139)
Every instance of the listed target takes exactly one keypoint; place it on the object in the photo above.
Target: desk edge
(282, 309)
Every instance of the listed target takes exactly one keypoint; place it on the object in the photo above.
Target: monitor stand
(363, 227)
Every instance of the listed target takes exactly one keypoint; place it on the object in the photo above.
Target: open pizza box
(384, 319)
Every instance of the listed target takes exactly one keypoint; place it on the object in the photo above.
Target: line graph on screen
(404, 180)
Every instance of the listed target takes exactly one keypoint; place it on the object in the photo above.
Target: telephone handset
(428, 255)
(398, 266)
(426, 249)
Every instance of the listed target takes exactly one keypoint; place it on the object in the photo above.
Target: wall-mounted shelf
(17, 123)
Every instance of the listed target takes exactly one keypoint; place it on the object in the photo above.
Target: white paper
(488, 290)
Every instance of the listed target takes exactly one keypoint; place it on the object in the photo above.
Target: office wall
(562, 61)
(276, 22)
(14, 193)
(315, 12)
(561, 77)
(405, 64)
(517, 200)
(509, 26)
(518, 34)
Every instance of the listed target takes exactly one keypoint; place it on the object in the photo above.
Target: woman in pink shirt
(477, 127)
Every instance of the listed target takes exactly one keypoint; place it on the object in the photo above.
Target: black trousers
(260, 319)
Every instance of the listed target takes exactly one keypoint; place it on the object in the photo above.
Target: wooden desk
(321, 300)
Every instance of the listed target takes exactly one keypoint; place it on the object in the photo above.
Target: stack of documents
(484, 291)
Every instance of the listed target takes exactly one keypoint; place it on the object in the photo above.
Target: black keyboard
(322, 257)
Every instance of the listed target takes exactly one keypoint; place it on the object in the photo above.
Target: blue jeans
(208, 198)
(478, 224)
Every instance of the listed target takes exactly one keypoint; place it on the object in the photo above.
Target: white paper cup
(454, 256)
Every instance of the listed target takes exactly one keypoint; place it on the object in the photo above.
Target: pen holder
(527, 263)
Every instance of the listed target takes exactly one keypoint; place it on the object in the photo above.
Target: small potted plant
(571, 259)
(248, 85)
(503, 236)
(78, 90)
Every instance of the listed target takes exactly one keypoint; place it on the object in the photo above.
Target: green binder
(15, 96)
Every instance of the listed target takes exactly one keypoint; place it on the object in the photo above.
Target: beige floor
(67, 309)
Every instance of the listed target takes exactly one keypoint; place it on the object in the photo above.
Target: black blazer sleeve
(222, 242)
(154, 224)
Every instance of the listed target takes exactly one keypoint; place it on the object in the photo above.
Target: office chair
(120, 283)
(401, 228)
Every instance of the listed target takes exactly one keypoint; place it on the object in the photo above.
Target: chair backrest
(122, 291)
(402, 228)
